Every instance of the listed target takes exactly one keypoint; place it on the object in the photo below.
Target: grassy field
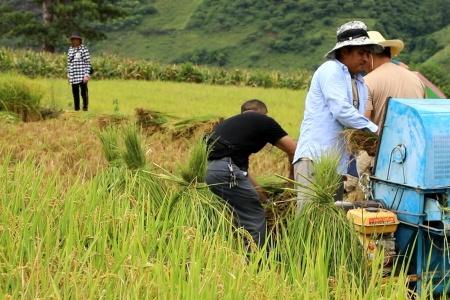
(73, 225)
(180, 99)
(69, 144)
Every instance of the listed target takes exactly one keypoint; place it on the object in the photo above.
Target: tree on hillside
(47, 23)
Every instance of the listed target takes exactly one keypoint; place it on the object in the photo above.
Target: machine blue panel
(407, 203)
(415, 143)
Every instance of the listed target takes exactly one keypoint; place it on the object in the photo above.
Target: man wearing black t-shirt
(232, 142)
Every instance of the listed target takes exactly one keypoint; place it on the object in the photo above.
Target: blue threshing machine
(412, 179)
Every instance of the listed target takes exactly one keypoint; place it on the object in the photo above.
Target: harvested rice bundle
(110, 145)
(150, 119)
(188, 128)
(279, 209)
(133, 154)
(105, 121)
(194, 170)
(281, 201)
(280, 205)
(130, 152)
(322, 225)
(357, 140)
(49, 113)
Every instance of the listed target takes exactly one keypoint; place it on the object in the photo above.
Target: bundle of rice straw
(117, 120)
(281, 201)
(150, 119)
(188, 128)
(357, 140)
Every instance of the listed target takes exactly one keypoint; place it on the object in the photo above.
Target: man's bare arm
(288, 145)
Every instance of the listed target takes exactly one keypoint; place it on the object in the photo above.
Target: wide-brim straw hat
(353, 33)
(396, 46)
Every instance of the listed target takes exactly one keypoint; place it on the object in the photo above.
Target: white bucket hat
(396, 46)
(353, 33)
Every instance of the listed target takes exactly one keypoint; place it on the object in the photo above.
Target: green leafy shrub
(35, 64)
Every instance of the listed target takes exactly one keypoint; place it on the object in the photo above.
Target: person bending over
(231, 144)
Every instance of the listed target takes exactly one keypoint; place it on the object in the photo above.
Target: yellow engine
(376, 229)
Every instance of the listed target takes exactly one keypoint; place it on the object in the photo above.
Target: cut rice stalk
(195, 168)
(357, 140)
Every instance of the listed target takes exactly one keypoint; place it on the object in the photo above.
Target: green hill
(272, 34)
(436, 67)
(282, 34)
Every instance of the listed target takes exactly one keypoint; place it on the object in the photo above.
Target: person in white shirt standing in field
(336, 100)
(78, 70)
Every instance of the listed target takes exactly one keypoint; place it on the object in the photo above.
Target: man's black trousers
(243, 198)
(84, 94)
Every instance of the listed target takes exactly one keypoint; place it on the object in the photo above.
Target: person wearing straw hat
(336, 100)
(387, 79)
(78, 70)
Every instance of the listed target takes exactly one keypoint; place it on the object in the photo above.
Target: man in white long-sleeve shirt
(336, 100)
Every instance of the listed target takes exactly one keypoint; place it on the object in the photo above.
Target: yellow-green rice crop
(150, 239)
(183, 100)
(124, 233)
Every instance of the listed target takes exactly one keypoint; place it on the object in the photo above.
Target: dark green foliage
(292, 25)
(282, 34)
(133, 14)
(189, 73)
(438, 74)
(413, 21)
(306, 29)
(48, 23)
(204, 57)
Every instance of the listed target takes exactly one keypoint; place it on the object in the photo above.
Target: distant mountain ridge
(282, 34)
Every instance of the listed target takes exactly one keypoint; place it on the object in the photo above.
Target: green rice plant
(151, 239)
(320, 215)
(109, 140)
(194, 170)
(133, 154)
(20, 95)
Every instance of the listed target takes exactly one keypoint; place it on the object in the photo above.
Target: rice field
(184, 100)
(84, 221)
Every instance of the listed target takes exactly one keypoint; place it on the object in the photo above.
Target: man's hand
(288, 145)
(262, 194)
(86, 78)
